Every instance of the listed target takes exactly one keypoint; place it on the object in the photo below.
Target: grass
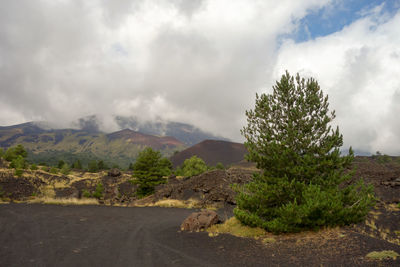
(234, 227)
(65, 201)
(175, 203)
(381, 255)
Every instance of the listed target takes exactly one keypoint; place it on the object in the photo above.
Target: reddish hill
(212, 152)
(152, 141)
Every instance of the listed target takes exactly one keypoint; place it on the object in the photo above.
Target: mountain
(186, 133)
(51, 145)
(155, 142)
(212, 152)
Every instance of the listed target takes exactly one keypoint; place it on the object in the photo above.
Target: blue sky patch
(335, 17)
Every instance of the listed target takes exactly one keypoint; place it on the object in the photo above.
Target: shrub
(77, 165)
(101, 165)
(18, 162)
(92, 166)
(65, 169)
(290, 138)
(53, 170)
(45, 168)
(86, 193)
(220, 166)
(191, 167)
(60, 164)
(18, 172)
(34, 167)
(98, 193)
(13, 152)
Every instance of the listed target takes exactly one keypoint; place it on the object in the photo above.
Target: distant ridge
(52, 145)
(152, 141)
(212, 152)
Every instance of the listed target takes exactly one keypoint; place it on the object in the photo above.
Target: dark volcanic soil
(52, 235)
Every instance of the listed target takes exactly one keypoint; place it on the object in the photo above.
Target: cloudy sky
(200, 61)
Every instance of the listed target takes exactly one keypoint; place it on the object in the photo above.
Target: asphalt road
(54, 235)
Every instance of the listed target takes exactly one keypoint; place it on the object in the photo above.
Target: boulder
(200, 221)
(114, 173)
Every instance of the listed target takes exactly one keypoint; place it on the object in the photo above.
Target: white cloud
(199, 63)
(358, 67)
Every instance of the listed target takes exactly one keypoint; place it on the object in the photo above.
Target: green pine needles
(303, 184)
(149, 170)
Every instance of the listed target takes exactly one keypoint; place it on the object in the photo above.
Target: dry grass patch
(65, 201)
(170, 203)
(234, 227)
(175, 203)
(381, 255)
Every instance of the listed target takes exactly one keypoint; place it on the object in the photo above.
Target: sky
(200, 61)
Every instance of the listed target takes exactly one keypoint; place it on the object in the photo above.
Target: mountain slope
(120, 148)
(212, 152)
(185, 133)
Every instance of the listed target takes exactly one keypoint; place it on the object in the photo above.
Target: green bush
(98, 193)
(53, 170)
(18, 172)
(45, 168)
(101, 165)
(86, 193)
(60, 164)
(290, 138)
(65, 169)
(191, 167)
(18, 162)
(34, 167)
(149, 170)
(220, 166)
(77, 165)
(93, 166)
(13, 152)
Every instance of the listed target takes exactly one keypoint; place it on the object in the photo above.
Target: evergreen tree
(77, 165)
(65, 169)
(13, 152)
(101, 165)
(92, 166)
(60, 164)
(290, 138)
(148, 171)
(166, 166)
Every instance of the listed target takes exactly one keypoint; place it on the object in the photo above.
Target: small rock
(200, 221)
(114, 173)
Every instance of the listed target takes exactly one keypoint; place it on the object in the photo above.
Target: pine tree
(148, 170)
(290, 138)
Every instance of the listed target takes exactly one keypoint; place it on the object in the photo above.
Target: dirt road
(54, 235)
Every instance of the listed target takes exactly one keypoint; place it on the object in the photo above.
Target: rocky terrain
(380, 230)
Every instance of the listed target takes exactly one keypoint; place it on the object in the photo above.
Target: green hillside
(50, 146)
